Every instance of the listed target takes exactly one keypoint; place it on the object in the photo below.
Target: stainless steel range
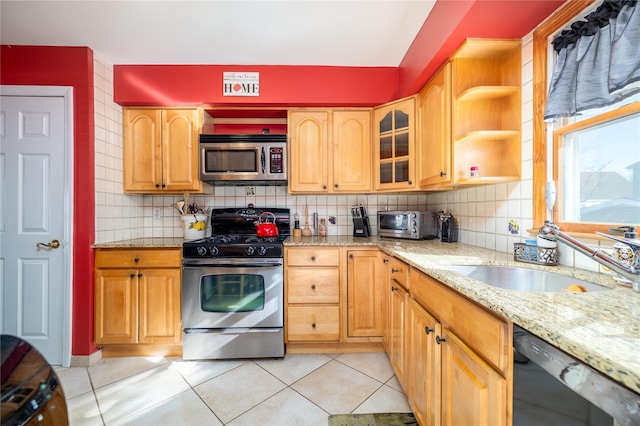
(233, 288)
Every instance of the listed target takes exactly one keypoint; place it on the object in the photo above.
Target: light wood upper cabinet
(160, 150)
(329, 151)
(394, 145)
(137, 296)
(308, 151)
(434, 130)
(470, 115)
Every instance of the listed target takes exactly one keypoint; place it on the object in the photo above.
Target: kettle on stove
(448, 228)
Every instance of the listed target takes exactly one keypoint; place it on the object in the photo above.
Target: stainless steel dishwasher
(551, 387)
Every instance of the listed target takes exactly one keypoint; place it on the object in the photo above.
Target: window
(594, 158)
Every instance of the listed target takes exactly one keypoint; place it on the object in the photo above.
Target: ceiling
(262, 32)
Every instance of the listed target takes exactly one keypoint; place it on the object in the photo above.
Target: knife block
(361, 227)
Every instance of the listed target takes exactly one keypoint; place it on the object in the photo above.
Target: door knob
(54, 244)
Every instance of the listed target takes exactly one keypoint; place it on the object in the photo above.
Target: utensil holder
(535, 254)
(361, 227)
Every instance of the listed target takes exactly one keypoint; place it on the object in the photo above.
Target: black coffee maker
(448, 228)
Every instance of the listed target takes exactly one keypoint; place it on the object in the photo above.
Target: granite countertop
(601, 329)
(142, 243)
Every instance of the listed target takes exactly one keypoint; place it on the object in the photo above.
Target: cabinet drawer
(313, 285)
(138, 258)
(313, 323)
(313, 256)
(399, 271)
(484, 332)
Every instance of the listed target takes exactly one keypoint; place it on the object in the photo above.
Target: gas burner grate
(220, 239)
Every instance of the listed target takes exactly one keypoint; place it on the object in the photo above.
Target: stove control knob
(262, 251)
(214, 251)
(251, 250)
(202, 250)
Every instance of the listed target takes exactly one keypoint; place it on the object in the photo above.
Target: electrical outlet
(250, 190)
(156, 212)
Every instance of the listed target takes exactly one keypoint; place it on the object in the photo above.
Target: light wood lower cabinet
(461, 358)
(397, 296)
(137, 301)
(364, 294)
(333, 299)
(424, 359)
(312, 283)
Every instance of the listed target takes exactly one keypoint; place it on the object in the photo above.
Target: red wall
(449, 23)
(282, 85)
(68, 66)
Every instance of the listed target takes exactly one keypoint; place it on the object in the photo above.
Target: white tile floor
(297, 390)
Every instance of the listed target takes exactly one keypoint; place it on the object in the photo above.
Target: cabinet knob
(157, 185)
(350, 256)
(132, 275)
(313, 325)
(428, 330)
(313, 287)
(136, 260)
(324, 186)
(442, 174)
(335, 186)
(164, 186)
(313, 258)
(385, 260)
(394, 288)
(410, 182)
(139, 275)
(440, 340)
(393, 271)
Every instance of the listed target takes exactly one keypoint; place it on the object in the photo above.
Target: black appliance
(233, 288)
(448, 228)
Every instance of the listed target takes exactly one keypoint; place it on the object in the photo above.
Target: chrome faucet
(631, 272)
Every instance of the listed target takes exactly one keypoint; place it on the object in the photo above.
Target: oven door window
(398, 222)
(232, 293)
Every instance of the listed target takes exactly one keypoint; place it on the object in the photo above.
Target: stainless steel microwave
(411, 224)
(258, 159)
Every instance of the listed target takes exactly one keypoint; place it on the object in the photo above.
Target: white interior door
(34, 236)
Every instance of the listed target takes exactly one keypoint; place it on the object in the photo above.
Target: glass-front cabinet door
(394, 145)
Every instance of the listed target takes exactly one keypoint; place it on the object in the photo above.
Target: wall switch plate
(156, 212)
(250, 190)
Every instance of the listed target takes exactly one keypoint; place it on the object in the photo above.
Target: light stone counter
(601, 329)
(143, 243)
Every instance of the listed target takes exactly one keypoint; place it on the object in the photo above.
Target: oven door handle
(227, 263)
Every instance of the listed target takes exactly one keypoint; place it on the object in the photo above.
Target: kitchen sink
(523, 279)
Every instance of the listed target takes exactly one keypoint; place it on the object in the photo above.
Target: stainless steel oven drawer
(232, 343)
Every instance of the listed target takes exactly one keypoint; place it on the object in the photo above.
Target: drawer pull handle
(313, 325)
(136, 260)
(440, 340)
(393, 271)
(428, 330)
(313, 287)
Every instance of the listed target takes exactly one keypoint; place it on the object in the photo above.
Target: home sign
(241, 84)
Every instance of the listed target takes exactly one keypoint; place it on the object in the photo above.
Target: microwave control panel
(275, 160)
